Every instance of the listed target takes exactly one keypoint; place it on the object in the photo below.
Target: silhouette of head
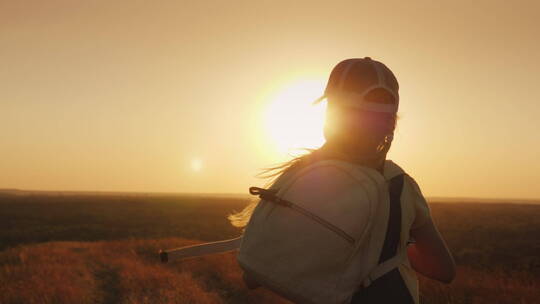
(363, 100)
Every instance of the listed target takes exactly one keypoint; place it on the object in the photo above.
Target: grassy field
(103, 249)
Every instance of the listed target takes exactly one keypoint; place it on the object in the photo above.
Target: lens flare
(196, 164)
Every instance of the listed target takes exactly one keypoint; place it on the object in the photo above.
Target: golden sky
(184, 96)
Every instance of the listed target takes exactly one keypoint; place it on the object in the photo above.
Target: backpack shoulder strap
(389, 258)
(393, 232)
(385, 284)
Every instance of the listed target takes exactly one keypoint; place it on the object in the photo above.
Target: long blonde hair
(241, 219)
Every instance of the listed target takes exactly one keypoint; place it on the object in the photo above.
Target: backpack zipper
(269, 195)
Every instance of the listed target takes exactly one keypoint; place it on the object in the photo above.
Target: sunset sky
(197, 96)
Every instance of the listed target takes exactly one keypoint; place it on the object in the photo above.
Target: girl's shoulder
(391, 169)
(411, 195)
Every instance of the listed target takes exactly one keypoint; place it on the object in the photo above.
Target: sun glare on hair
(291, 121)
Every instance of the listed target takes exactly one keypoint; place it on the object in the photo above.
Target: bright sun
(291, 120)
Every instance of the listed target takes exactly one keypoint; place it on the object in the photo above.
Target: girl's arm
(429, 255)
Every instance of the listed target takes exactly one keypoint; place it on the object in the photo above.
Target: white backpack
(317, 234)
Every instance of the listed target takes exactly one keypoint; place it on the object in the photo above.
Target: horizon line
(246, 195)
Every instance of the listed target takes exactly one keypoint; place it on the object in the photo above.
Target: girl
(363, 99)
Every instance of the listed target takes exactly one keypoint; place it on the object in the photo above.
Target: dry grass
(483, 287)
(129, 272)
(119, 272)
(90, 249)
